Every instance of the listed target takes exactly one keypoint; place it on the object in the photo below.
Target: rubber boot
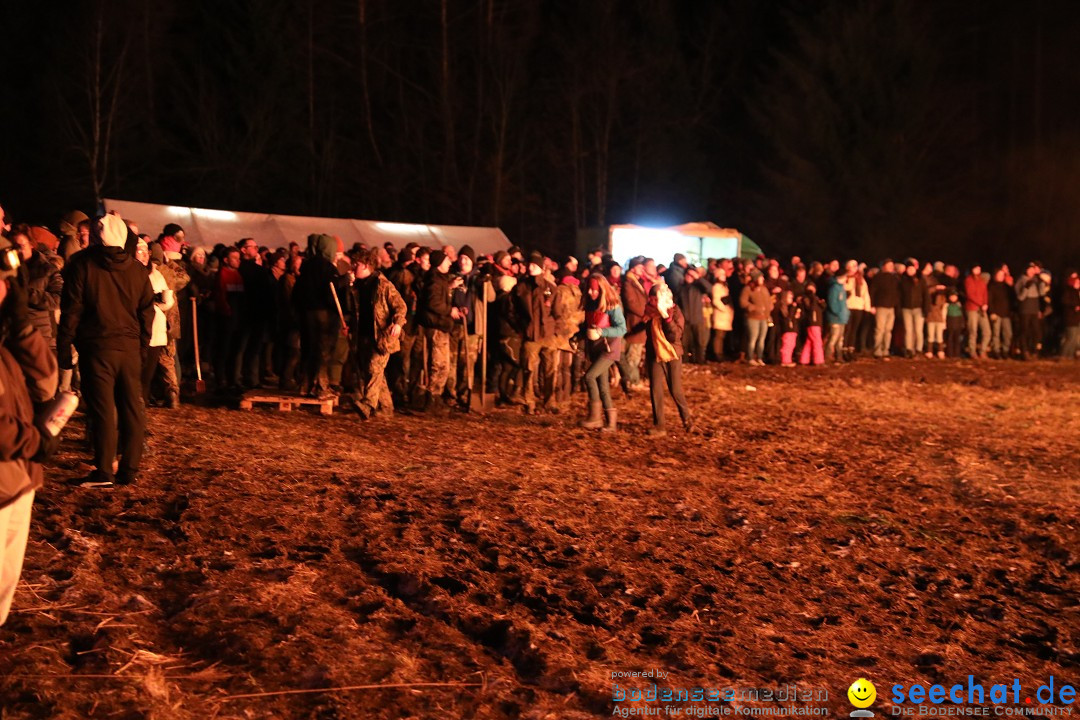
(612, 420)
(594, 421)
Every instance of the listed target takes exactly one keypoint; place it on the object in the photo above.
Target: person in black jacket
(885, 296)
(107, 313)
(695, 287)
(437, 316)
(1000, 296)
(914, 298)
(314, 296)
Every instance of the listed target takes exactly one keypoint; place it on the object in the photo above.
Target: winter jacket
(1029, 291)
(836, 309)
(790, 315)
(976, 293)
(757, 301)
(164, 301)
(858, 292)
(387, 310)
(106, 304)
(612, 324)
(812, 310)
(44, 285)
(938, 305)
(1070, 301)
(674, 276)
(568, 311)
(672, 327)
(723, 314)
(534, 297)
(692, 306)
(433, 308)
(634, 301)
(317, 274)
(1000, 298)
(503, 317)
(177, 279)
(27, 375)
(229, 292)
(912, 292)
(885, 290)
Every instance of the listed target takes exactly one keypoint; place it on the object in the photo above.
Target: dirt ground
(906, 522)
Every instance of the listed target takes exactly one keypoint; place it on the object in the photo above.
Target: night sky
(833, 127)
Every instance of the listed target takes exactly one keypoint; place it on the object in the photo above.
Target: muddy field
(907, 522)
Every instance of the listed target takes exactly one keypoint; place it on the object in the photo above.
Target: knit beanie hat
(437, 258)
(468, 252)
(114, 231)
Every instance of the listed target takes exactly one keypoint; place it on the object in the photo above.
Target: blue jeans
(596, 381)
(756, 331)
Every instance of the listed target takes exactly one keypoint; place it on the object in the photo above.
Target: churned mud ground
(907, 522)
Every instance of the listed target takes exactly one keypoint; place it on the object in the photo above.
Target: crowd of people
(124, 319)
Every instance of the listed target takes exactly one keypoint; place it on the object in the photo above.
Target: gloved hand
(48, 446)
(16, 305)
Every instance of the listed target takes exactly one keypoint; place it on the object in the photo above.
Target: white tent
(206, 228)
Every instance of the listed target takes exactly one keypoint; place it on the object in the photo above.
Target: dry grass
(903, 521)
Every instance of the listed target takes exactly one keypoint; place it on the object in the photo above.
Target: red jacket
(976, 293)
(27, 375)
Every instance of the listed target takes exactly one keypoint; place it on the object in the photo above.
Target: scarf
(665, 351)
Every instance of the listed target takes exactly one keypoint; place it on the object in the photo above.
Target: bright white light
(222, 215)
(401, 228)
(175, 210)
(658, 243)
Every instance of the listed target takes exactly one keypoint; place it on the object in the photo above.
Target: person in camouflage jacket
(377, 313)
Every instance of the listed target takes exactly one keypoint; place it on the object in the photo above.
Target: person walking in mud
(377, 315)
(107, 313)
(605, 329)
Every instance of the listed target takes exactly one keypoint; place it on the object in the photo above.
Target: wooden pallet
(286, 403)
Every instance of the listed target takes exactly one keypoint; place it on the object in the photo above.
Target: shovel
(200, 385)
(483, 402)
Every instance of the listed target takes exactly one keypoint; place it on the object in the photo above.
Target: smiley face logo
(862, 693)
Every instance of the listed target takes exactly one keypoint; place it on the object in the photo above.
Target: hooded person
(107, 313)
(70, 234)
(318, 294)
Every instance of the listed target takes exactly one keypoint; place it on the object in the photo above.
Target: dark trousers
(321, 329)
(954, 334)
(226, 349)
(112, 388)
(149, 365)
(695, 339)
(1030, 333)
(851, 330)
(670, 374)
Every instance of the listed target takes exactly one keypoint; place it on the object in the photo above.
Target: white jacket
(856, 300)
(159, 335)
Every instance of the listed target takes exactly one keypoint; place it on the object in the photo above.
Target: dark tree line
(851, 126)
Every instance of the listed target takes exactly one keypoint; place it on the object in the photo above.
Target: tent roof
(749, 249)
(694, 229)
(208, 227)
